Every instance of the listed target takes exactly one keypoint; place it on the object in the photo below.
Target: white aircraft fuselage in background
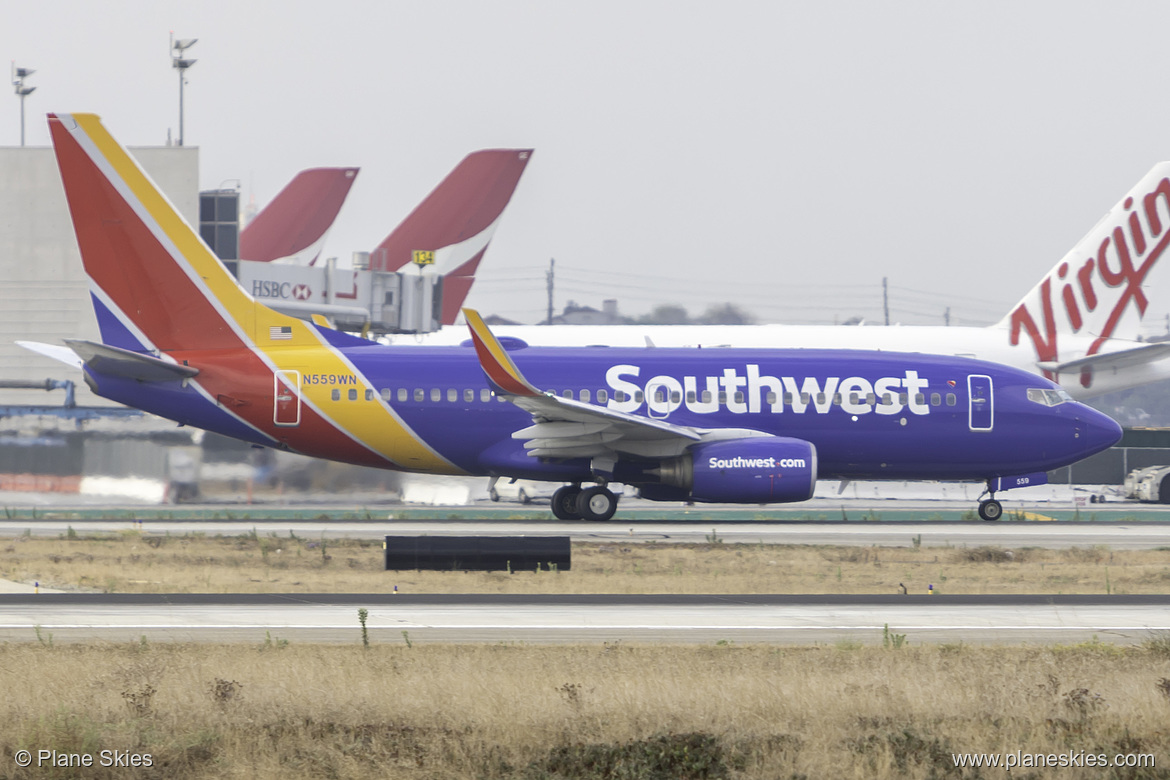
(1081, 325)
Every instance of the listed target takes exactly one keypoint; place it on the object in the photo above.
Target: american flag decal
(280, 332)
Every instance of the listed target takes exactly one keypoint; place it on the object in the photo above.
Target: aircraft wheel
(990, 510)
(524, 497)
(564, 503)
(597, 504)
(493, 495)
(1164, 491)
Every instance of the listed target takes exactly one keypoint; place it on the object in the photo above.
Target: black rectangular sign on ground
(477, 553)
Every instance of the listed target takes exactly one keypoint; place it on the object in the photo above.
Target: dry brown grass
(134, 562)
(443, 711)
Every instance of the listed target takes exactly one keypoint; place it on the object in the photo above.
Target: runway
(581, 619)
(1119, 535)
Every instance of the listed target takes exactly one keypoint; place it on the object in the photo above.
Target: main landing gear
(572, 502)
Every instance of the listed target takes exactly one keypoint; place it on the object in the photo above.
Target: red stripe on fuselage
(242, 383)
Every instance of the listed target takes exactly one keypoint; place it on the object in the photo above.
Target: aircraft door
(663, 397)
(286, 401)
(981, 415)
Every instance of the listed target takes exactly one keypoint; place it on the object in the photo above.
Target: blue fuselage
(871, 415)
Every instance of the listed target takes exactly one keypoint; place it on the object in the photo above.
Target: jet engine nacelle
(763, 470)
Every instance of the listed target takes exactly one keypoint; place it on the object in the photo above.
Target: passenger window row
(452, 395)
(770, 398)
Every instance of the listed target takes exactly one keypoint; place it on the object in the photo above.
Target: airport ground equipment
(1151, 485)
(478, 553)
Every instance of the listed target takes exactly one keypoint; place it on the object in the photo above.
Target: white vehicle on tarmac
(523, 490)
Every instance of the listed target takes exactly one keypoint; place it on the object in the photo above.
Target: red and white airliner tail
(456, 222)
(292, 228)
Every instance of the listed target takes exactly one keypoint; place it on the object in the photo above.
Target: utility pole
(947, 317)
(886, 299)
(180, 63)
(552, 262)
(18, 77)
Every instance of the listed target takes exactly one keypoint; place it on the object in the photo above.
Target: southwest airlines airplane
(1080, 326)
(182, 340)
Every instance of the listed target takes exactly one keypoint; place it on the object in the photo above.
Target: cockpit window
(1048, 397)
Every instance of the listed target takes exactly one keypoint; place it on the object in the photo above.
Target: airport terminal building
(46, 293)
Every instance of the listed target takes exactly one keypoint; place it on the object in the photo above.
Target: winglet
(495, 361)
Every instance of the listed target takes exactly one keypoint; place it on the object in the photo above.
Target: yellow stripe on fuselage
(370, 422)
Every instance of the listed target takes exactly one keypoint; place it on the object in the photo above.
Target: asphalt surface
(254, 618)
(551, 619)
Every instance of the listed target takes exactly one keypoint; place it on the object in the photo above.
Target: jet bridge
(356, 298)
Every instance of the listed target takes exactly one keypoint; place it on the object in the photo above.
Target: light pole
(180, 63)
(18, 77)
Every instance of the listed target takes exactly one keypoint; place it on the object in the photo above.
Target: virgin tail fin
(1096, 298)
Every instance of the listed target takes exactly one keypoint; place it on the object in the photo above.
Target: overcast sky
(785, 156)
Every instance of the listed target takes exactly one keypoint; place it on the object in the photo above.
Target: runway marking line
(268, 626)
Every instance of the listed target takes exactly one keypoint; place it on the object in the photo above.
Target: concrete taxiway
(582, 619)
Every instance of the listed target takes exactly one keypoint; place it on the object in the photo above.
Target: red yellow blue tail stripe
(159, 275)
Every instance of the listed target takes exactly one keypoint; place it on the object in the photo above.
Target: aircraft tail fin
(1094, 300)
(456, 222)
(292, 228)
(156, 286)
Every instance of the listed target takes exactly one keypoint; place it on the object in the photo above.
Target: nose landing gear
(990, 509)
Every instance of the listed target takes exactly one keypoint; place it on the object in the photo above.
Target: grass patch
(254, 563)
(518, 712)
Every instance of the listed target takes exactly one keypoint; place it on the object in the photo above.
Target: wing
(565, 428)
